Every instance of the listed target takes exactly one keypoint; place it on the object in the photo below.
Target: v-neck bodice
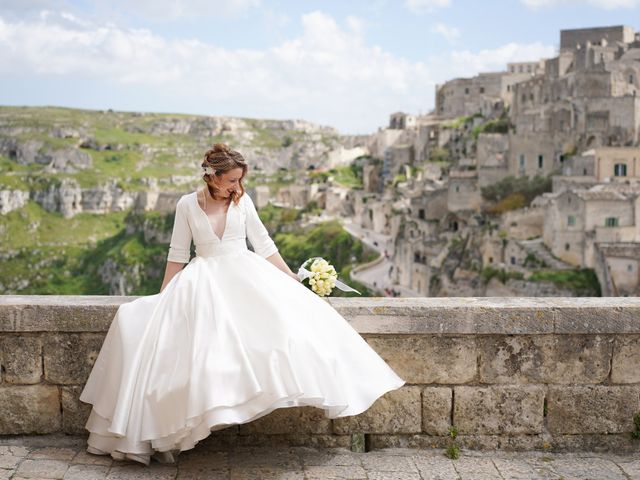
(226, 219)
(193, 224)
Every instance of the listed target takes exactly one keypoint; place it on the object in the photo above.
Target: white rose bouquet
(322, 277)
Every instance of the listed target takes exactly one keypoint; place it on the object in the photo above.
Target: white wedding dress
(229, 339)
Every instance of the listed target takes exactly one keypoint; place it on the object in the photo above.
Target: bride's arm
(262, 243)
(180, 246)
(170, 271)
(279, 262)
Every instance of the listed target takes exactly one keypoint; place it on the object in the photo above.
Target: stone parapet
(509, 373)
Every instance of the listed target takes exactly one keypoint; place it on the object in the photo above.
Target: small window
(611, 222)
(466, 91)
(620, 170)
(490, 259)
(567, 246)
(513, 260)
(540, 161)
(508, 88)
(584, 171)
(571, 220)
(631, 79)
(629, 268)
(531, 97)
(481, 89)
(457, 188)
(522, 160)
(524, 98)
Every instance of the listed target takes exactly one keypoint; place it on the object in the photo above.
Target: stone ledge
(462, 315)
(509, 373)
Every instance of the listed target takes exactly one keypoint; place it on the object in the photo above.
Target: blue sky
(347, 64)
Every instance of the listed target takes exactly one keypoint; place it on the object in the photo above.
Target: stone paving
(49, 458)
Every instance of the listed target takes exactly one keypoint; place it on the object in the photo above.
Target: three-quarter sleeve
(180, 246)
(257, 233)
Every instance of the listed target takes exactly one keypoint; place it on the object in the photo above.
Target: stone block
(289, 420)
(511, 410)
(29, 409)
(69, 357)
(436, 410)
(625, 367)
(397, 411)
(544, 358)
(21, 358)
(74, 412)
(429, 359)
(592, 409)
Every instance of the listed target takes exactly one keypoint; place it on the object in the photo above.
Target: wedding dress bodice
(192, 224)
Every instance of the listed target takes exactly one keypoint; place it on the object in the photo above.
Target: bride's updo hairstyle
(220, 159)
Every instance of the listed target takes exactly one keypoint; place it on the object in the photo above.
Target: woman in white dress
(230, 337)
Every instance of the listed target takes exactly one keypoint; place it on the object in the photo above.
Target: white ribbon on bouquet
(303, 273)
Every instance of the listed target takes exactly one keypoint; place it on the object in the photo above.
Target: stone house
(463, 191)
(575, 221)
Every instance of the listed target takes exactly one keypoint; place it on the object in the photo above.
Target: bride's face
(229, 181)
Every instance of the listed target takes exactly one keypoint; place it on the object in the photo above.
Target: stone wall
(525, 373)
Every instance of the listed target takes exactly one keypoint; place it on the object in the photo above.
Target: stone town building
(586, 98)
(401, 120)
(617, 266)
(576, 221)
(463, 192)
(605, 164)
(492, 155)
(485, 93)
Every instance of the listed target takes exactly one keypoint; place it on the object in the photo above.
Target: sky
(344, 64)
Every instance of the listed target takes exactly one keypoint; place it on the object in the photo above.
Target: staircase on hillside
(542, 252)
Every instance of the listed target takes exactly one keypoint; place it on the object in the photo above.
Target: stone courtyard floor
(46, 457)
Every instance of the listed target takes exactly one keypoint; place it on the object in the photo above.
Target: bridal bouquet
(322, 277)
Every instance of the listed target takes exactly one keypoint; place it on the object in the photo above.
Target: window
(513, 260)
(620, 170)
(631, 79)
(540, 161)
(524, 98)
(571, 220)
(508, 88)
(457, 188)
(421, 213)
(490, 259)
(522, 160)
(611, 222)
(584, 171)
(466, 91)
(481, 89)
(531, 97)
(629, 268)
(567, 246)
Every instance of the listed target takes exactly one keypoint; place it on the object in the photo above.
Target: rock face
(64, 160)
(69, 199)
(12, 200)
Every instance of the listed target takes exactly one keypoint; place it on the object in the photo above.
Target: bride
(230, 337)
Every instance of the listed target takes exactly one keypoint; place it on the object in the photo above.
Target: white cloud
(173, 9)
(603, 4)
(327, 74)
(421, 6)
(450, 33)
